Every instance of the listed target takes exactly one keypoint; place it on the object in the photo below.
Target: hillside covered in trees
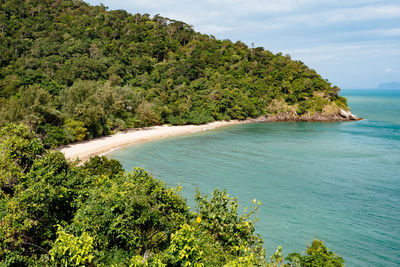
(74, 71)
(69, 72)
(57, 213)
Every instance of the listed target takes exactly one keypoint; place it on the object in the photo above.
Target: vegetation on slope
(55, 213)
(73, 71)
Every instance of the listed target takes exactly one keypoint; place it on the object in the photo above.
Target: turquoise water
(339, 182)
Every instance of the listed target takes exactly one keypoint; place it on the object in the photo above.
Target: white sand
(103, 145)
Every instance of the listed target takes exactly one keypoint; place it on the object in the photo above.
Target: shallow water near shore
(339, 181)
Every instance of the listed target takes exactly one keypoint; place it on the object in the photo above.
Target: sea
(335, 181)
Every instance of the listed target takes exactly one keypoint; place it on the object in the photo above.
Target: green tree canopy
(76, 71)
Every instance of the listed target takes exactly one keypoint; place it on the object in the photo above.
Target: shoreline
(103, 145)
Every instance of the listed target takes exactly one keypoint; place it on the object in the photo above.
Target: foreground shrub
(316, 255)
(56, 213)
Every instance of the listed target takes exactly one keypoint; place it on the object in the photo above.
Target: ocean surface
(339, 182)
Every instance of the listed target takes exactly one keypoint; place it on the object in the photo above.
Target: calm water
(339, 182)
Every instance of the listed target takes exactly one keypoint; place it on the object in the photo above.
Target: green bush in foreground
(316, 255)
(56, 213)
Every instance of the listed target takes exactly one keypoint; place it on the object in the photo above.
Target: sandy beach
(103, 145)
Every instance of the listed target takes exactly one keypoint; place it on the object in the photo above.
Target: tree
(19, 148)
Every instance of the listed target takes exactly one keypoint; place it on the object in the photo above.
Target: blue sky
(352, 43)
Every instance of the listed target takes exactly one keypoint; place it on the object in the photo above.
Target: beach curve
(100, 146)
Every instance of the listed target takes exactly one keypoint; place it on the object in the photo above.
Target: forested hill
(74, 71)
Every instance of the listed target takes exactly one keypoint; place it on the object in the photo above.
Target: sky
(352, 43)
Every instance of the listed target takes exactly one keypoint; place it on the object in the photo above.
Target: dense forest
(74, 71)
(69, 72)
(58, 213)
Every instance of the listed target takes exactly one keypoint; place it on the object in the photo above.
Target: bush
(53, 213)
(316, 255)
(199, 117)
(75, 130)
(53, 136)
(19, 148)
(132, 212)
(70, 250)
(102, 166)
(219, 216)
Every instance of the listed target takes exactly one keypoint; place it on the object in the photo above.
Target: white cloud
(212, 28)
(359, 49)
(347, 41)
(392, 71)
(391, 32)
(371, 33)
(364, 13)
(216, 16)
(340, 15)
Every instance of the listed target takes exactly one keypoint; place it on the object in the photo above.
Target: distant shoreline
(104, 145)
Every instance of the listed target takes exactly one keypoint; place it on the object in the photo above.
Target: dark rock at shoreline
(353, 117)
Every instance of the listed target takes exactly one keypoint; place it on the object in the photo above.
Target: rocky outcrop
(293, 116)
(344, 113)
(347, 114)
(353, 117)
